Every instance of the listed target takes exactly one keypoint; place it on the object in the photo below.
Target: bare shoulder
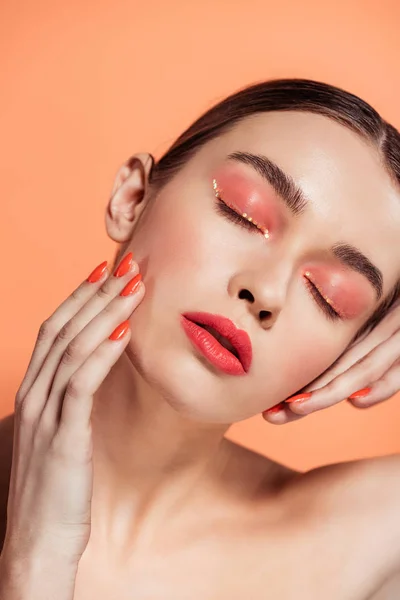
(361, 500)
(6, 448)
(374, 486)
(370, 484)
(349, 513)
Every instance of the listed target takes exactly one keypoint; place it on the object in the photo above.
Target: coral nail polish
(131, 286)
(299, 398)
(361, 393)
(273, 409)
(119, 331)
(124, 265)
(98, 272)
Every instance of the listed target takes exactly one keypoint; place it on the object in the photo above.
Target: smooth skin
(176, 510)
(371, 365)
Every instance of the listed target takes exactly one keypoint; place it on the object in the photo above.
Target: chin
(187, 383)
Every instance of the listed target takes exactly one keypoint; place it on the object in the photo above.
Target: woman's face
(194, 258)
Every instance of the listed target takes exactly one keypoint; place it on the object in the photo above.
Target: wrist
(36, 577)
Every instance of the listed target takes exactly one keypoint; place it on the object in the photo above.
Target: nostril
(246, 295)
(265, 315)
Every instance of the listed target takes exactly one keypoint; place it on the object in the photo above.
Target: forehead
(351, 194)
(320, 154)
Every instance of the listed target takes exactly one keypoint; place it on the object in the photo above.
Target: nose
(264, 293)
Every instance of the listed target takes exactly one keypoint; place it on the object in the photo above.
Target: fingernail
(124, 266)
(131, 286)
(274, 409)
(361, 393)
(98, 272)
(119, 331)
(299, 398)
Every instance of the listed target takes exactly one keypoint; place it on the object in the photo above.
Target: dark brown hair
(288, 94)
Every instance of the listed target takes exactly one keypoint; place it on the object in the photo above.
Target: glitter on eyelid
(263, 230)
(328, 300)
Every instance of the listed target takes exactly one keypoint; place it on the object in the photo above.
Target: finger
(85, 343)
(77, 402)
(50, 328)
(384, 389)
(73, 315)
(361, 375)
(86, 312)
(280, 417)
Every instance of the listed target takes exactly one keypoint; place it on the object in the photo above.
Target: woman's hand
(49, 504)
(366, 374)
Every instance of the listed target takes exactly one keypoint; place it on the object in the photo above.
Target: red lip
(208, 344)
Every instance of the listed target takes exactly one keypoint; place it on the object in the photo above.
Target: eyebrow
(294, 198)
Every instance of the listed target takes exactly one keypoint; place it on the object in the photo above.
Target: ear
(128, 196)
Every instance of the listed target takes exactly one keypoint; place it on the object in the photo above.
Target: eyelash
(231, 214)
(235, 217)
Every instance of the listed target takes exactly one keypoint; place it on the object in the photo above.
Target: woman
(266, 249)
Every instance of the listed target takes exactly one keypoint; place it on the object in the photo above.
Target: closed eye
(328, 309)
(231, 214)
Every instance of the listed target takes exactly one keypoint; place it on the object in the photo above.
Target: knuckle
(66, 332)
(105, 294)
(109, 309)
(46, 330)
(73, 353)
(74, 388)
(19, 397)
(78, 294)
(25, 411)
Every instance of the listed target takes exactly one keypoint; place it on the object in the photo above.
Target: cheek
(166, 241)
(175, 244)
(297, 354)
(311, 362)
(305, 364)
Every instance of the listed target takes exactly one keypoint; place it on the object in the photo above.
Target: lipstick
(220, 341)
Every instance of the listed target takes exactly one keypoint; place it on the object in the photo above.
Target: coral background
(86, 84)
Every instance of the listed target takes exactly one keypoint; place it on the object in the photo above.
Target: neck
(150, 462)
